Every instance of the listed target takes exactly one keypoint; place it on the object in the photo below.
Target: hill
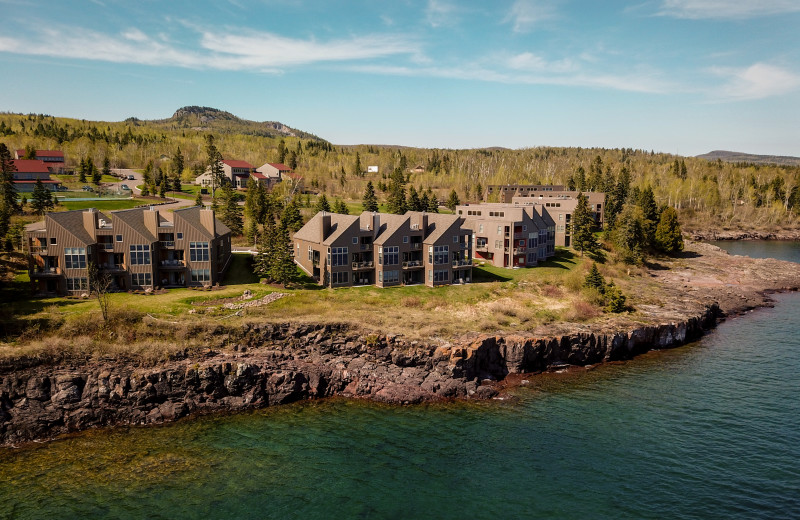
(749, 158)
(206, 119)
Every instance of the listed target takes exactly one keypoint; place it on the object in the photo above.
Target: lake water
(709, 430)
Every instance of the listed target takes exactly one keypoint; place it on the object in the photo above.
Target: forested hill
(749, 158)
(208, 119)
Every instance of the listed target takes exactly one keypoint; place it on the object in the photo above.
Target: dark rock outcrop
(278, 364)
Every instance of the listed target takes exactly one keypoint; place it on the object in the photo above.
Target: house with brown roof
(53, 159)
(28, 171)
(273, 173)
(138, 249)
(509, 236)
(504, 192)
(238, 172)
(384, 250)
(560, 205)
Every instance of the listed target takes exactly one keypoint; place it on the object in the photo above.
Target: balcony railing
(366, 247)
(172, 263)
(519, 250)
(167, 243)
(363, 265)
(111, 266)
(46, 270)
(38, 249)
(107, 246)
(416, 245)
(461, 263)
(412, 263)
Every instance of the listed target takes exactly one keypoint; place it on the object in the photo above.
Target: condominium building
(504, 192)
(560, 205)
(509, 236)
(385, 250)
(137, 248)
(237, 172)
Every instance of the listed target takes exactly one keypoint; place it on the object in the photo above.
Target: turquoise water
(709, 430)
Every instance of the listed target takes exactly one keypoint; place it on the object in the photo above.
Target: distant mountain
(739, 157)
(219, 121)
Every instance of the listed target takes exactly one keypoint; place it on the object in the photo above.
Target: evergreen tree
(424, 202)
(322, 204)
(230, 212)
(580, 179)
(293, 161)
(414, 202)
(282, 269)
(266, 249)
(106, 166)
(582, 224)
(198, 201)
(615, 299)
(178, 164)
(30, 152)
(433, 202)
(684, 173)
(452, 201)
(162, 188)
(291, 217)
(41, 198)
(82, 171)
(396, 202)
(647, 202)
(357, 167)
(281, 151)
(176, 183)
(340, 207)
(628, 234)
(8, 192)
(214, 164)
(251, 231)
(478, 192)
(595, 280)
(370, 201)
(668, 232)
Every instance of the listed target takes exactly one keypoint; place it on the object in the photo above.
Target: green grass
(104, 205)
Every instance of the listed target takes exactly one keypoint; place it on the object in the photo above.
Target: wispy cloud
(727, 9)
(258, 51)
(440, 12)
(524, 15)
(757, 81)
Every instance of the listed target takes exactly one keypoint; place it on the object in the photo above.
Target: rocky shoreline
(272, 364)
(744, 235)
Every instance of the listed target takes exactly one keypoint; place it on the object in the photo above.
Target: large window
(533, 243)
(75, 257)
(441, 276)
(391, 255)
(77, 284)
(339, 278)
(198, 251)
(141, 279)
(201, 275)
(140, 254)
(338, 256)
(440, 254)
(389, 276)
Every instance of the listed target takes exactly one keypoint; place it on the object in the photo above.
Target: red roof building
(28, 171)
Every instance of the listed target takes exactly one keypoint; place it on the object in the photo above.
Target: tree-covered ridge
(706, 194)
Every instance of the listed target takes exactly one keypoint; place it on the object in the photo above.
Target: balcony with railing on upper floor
(461, 262)
(173, 263)
(366, 264)
(413, 264)
(46, 270)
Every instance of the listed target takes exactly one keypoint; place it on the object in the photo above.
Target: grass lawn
(103, 205)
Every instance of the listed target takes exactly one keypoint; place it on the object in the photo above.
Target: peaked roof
(191, 216)
(42, 153)
(233, 163)
(312, 230)
(135, 218)
(72, 222)
(438, 224)
(30, 166)
(279, 166)
(389, 224)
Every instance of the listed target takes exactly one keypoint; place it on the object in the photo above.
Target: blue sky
(677, 76)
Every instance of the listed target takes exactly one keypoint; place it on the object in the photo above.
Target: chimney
(376, 224)
(150, 216)
(423, 223)
(325, 228)
(90, 221)
(208, 221)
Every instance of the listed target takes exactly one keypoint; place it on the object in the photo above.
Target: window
(533, 243)
(455, 239)
(499, 230)
(480, 228)
(198, 252)
(391, 255)
(310, 254)
(440, 254)
(143, 279)
(118, 238)
(52, 241)
(338, 256)
(140, 254)
(532, 258)
(389, 276)
(524, 228)
(180, 236)
(200, 275)
(75, 257)
(339, 278)
(405, 240)
(77, 284)
(355, 240)
(498, 244)
(441, 276)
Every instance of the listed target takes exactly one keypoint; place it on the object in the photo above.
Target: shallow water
(709, 430)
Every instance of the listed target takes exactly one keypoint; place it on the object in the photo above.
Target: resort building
(53, 159)
(560, 205)
(137, 248)
(504, 192)
(509, 236)
(273, 173)
(28, 171)
(385, 250)
(238, 172)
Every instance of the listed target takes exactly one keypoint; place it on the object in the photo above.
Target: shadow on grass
(564, 259)
(483, 275)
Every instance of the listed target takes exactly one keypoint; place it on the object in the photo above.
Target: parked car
(131, 178)
(124, 187)
(87, 188)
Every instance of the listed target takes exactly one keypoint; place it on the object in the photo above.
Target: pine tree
(668, 232)
(628, 234)
(230, 213)
(615, 299)
(370, 201)
(82, 171)
(647, 202)
(8, 192)
(684, 173)
(106, 166)
(281, 151)
(41, 198)
(96, 178)
(582, 224)
(291, 217)
(178, 164)
(396, 202)
(162, 188)
(283, 269)
(414, 202)
(198, 201)
(433, 202)
(452, 201)
(322, 204)
(251, 231)
(340, 207)
(214, 164)
(424, 202)
(357, 167)
(266, 249)
(595, 280)
(580, 179)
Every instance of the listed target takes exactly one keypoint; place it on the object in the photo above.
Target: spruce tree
(628, 234)
(478, 192)
(8, 192)
(433, 202)
(162, 188)
(198, 201)
(595, 280)
(582, 224)
(214, 164)
(424, 203)
(615, 299)
(230, 213)
(414, 202)
(370, 201)
(647, 202)
(291, 217)
(452, 201)
(668, 232)
(397, 198)
(266, 249)
(106, 166)
(357, 167)
(178, 164)
(82, 171)
(282, 268)
(96, 178)
(322, 204)
(41, 198)
(340, 207)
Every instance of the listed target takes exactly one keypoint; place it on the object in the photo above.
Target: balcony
(363, 265)
(462, 263)
(106, 246)
(111, 266)
(39, 250)
(519, 250)
(46, 271)
(366, 247)
(170, 244)
(412, 264)
(416, 245)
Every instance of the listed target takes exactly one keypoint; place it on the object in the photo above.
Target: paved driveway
(137, 180)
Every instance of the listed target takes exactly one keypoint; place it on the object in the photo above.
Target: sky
(675, 76)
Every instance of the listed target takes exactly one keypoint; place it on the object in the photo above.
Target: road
(137, 180)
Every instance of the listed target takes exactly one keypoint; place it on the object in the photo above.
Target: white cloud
(727, 9)
(525, 14)
(527, 61)
(757, 81)
(264, 52)
(440, 12)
